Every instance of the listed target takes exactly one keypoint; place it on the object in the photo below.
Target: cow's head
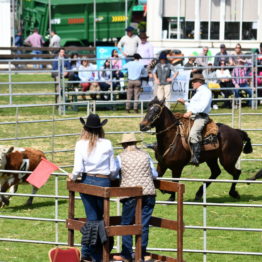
(4, 150)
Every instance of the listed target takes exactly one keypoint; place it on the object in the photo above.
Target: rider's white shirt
(201, 101)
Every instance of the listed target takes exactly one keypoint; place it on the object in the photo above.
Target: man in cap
(197, 109)
(137, 169)
(164, 73)
(128, 43)
(135, 71)
(222, 55)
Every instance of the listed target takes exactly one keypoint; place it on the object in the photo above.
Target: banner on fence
(179, 87)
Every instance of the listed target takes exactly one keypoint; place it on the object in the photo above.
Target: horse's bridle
(156, 117)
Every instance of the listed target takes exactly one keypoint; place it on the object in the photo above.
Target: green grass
(193, 215)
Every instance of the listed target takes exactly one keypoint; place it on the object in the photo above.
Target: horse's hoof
(234, 194)
(171, 199)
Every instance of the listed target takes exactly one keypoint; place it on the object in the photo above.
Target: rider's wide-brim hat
(198, 77)
(129, 138)
(93, 121)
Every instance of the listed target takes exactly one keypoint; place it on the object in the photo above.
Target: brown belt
(96, 175)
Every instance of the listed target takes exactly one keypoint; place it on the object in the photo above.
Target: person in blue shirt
(60, 73)
(135, 71)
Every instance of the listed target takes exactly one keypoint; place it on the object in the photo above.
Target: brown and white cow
(17, 158)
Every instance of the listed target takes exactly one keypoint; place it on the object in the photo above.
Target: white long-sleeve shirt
(87, 73)
(201, 101)
(99, 161)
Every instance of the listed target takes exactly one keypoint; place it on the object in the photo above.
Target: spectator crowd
(227, 74)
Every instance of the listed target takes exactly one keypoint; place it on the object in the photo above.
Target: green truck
(73, 20)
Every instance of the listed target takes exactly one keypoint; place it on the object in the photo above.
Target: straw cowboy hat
(93, 121)
(198, 77)
(129, 138)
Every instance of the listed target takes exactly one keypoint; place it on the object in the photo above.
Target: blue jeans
(94, 211)
(128, 214)
(37, 52)
(247, 89)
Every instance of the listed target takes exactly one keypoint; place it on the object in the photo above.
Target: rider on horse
(197, 110)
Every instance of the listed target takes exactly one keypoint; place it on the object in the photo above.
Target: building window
(232, 30)
(249, 31)
(214, 30)
(187, 28)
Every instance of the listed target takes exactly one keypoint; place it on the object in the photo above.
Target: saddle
(209, 133)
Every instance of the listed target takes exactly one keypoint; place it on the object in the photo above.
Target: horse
(172, 155)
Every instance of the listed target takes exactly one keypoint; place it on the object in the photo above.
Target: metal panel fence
(18, 139)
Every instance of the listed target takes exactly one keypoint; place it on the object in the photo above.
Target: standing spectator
(94, 163)
(163, 78)
(222, 55)
(135, 71)
(59, 66)
(145, 50)
(35, 40)
(128, 43)
(19, 39)
(224, 79)
(87, 74)
(240, 79)
(55, 39)
(137, 169)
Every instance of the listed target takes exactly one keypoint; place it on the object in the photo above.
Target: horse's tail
(248, 146)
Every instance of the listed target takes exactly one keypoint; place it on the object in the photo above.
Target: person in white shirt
(197, 109)
(94, 163)
(128, 43)
(55, 39)
(87, 75)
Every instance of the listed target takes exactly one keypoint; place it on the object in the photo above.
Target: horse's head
(154, 110)
(4, 150)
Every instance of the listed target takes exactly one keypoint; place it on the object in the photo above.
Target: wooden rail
(112, 224)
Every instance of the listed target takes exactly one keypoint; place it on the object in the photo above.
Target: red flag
(41, 173)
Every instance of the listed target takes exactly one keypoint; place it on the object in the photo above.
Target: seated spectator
(87, 75)
(212, 83)
(225, 81)
(240, 80)
(222, 55)
(116, 63)
(106, 75)
(75, 64)
(238, 54)
(60, 73)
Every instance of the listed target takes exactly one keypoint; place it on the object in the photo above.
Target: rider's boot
(196, 150)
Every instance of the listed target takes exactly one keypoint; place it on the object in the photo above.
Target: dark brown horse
(171, 154)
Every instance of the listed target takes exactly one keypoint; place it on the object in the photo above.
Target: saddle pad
(211, 128)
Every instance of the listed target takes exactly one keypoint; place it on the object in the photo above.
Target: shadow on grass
(35, 205)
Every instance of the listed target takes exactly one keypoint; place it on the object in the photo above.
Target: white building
(195, 23)
(5, 22)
